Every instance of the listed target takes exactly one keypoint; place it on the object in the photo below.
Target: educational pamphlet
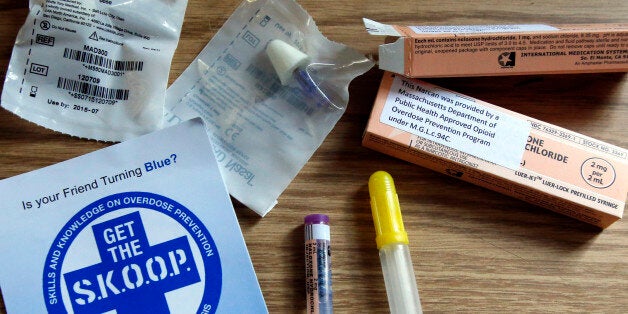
(144, 226)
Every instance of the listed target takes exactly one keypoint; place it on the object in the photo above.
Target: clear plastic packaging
(95, 69)
(264, 132)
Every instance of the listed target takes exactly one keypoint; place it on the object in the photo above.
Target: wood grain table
(474, 250)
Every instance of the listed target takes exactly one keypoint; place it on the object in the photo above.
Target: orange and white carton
(488, 50)
(504, 151)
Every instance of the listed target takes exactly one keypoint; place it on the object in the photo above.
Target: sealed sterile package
(270, 87)
(96, 69)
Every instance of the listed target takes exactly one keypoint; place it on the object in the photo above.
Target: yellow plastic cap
(386, 211)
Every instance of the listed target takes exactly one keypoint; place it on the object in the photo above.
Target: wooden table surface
(474, 250)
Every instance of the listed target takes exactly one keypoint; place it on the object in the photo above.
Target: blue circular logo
(151, 255)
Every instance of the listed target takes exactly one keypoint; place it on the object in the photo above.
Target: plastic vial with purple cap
(318, 264)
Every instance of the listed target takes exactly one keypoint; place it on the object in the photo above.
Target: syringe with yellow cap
(392, 242)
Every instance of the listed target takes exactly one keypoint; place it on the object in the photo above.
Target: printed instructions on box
(455, 121)
(474, 29)
(602, 48)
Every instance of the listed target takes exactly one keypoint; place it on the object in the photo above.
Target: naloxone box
(487, 50)
(504, 151)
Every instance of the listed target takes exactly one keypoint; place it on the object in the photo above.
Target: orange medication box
(504, 151)
(487, 50)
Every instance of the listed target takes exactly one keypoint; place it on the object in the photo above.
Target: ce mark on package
(455, 121)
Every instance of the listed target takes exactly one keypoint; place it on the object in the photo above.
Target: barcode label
(92, 90)
(116, 65)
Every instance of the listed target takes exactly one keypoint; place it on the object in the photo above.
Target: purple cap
(316, 219)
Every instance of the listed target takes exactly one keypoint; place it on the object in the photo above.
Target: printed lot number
(87, 78)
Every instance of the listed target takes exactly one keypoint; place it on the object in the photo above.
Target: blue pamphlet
(144, 226)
